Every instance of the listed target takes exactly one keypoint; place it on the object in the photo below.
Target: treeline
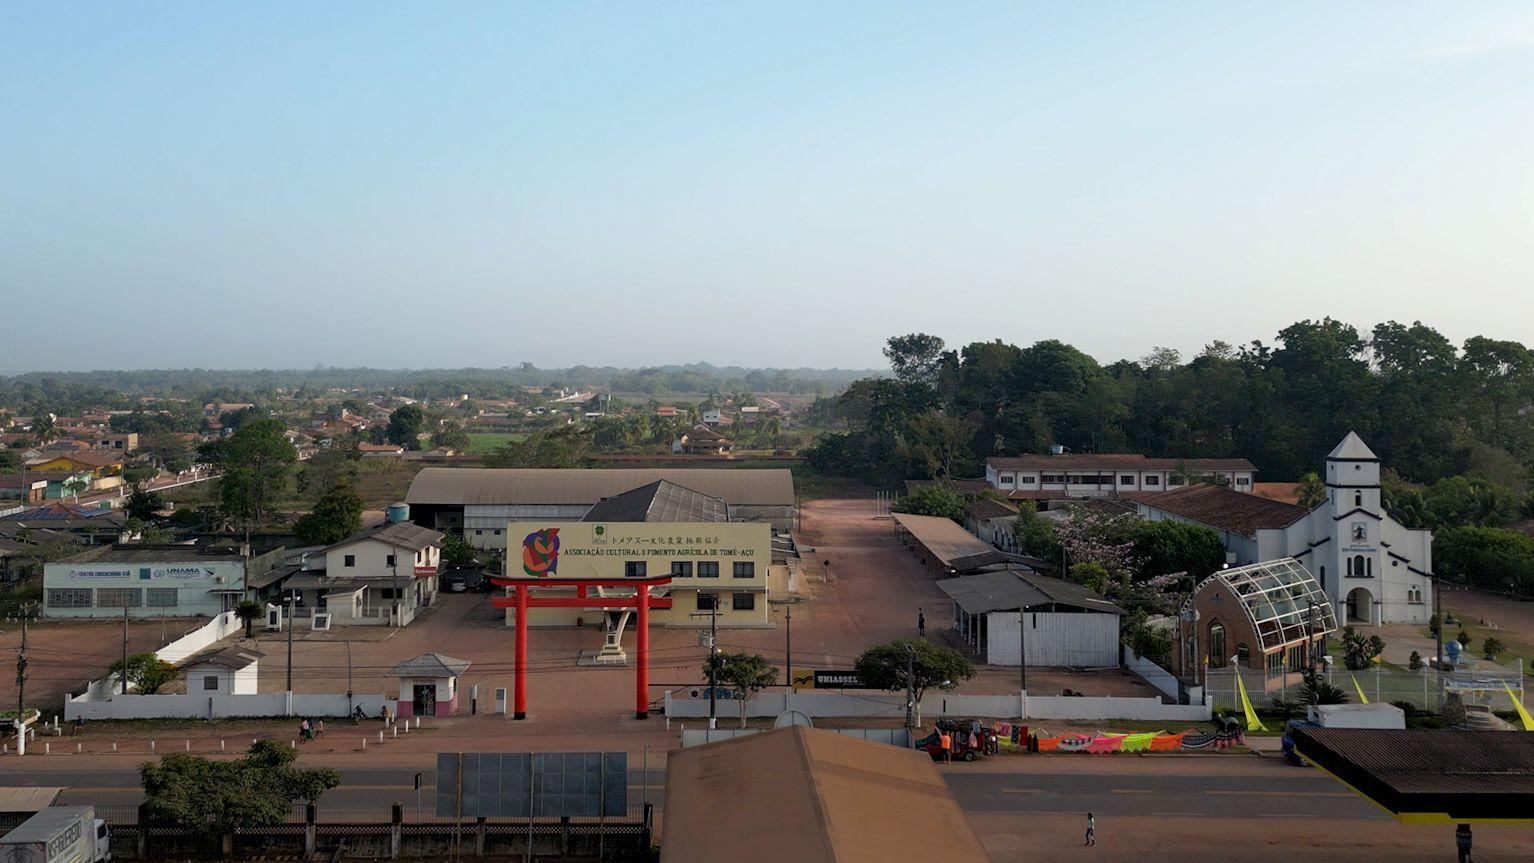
(1429, 408)
(70, 392)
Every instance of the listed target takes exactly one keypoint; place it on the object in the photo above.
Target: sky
(227, 185)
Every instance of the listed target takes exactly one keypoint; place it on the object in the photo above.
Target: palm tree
(248, 612)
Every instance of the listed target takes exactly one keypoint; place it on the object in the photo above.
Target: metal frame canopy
(1277, 596)
(1423, 776)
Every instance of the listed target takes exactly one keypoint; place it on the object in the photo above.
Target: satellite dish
(792, 717)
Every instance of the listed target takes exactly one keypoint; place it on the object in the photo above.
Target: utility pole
(349, 708)
(713, 651)
(788, 654)
(21, 670)
(1438, 636)
(124, 673)
(1022, 647)
(290, 641)
(910, 687)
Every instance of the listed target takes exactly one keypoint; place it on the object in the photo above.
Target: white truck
(59, 834)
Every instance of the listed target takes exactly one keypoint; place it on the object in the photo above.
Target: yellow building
(657, 529)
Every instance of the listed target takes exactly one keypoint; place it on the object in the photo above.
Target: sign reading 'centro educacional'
(573, 549)
(146, 573)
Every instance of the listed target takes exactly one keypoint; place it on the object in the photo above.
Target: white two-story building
(1101, 474)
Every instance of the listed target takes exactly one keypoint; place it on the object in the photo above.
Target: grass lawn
(1515, 645)
(484, 443)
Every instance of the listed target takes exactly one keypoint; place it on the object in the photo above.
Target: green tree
(746, 673)
(450, 435)
(336, 515)
(143, 504)
(1147, 641)
(1359, 652)
(10, 461)
(1312, 491)
(146, 671)
(914, 358)
(1167, 547)
(256, 462)
(1492, 647)
(405, 426)
(936, 500)
(456, 551)
(248, 613)
(931, 665)
(1092, 575)
(256, 790)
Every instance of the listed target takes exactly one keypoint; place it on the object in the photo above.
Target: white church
(1374, 570)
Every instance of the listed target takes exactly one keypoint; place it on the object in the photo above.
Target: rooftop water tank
(397, 512)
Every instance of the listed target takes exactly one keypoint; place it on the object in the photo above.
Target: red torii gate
(642, 601)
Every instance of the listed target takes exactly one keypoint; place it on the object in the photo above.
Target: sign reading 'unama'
(540, 552)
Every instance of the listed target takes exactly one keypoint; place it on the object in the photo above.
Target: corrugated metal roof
(660, 501)
(1221, 508)
(1011, 589)
(811, 796)
(951, 544)
(574, 486)
(402, 534)
(431, 665)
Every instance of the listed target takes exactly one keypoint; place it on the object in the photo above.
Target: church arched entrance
(1360, 605)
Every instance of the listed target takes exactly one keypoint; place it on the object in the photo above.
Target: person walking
(1091, 830)
(1462, 841)
(946, 741)
(921, 623)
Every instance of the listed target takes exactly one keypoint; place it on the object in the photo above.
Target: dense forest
(1429, 408)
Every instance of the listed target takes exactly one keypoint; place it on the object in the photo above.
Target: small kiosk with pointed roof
(428, 685)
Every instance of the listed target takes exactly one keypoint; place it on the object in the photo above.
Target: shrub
(1491, 647)
(1463, 638)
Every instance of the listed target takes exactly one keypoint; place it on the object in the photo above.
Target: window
(1217, 657)
(1243, 654)
(160, 597)
(391, 592)
(119, 597)
(388, 560)
(1276, 662)
(1241, 480)
(1153, 480)
(1056, 478)
(708, 569)
(1360, 567)
(496, 532)
(744, 602)
(351, 559)
(69, 598)
(1006, 479)
(1296, 658)
(1127, 479)
(681, 569)
(745, 569)
(210, 682)
(634, 569)
(706, 600)
(1358, 498)
(1026, 480)
(479, 533)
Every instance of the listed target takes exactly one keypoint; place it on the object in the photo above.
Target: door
(425, 701)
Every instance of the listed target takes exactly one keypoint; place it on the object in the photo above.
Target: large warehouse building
(479, 502)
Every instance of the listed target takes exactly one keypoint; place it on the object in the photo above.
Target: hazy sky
(280, 185)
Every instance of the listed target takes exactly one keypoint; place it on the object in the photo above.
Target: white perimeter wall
(1021, 706)
(220, 706)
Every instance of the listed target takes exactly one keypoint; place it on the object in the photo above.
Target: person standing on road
(921, 623)
(1462, 842)
(1091, 830)
(946, 741)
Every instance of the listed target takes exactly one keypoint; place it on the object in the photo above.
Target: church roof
(1353, 448)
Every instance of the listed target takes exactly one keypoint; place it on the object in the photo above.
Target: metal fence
(1485, 684)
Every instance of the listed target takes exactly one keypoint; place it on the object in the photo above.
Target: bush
(1358, 652)
(1464, 639)
(1491, 647)
(1415, 662)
